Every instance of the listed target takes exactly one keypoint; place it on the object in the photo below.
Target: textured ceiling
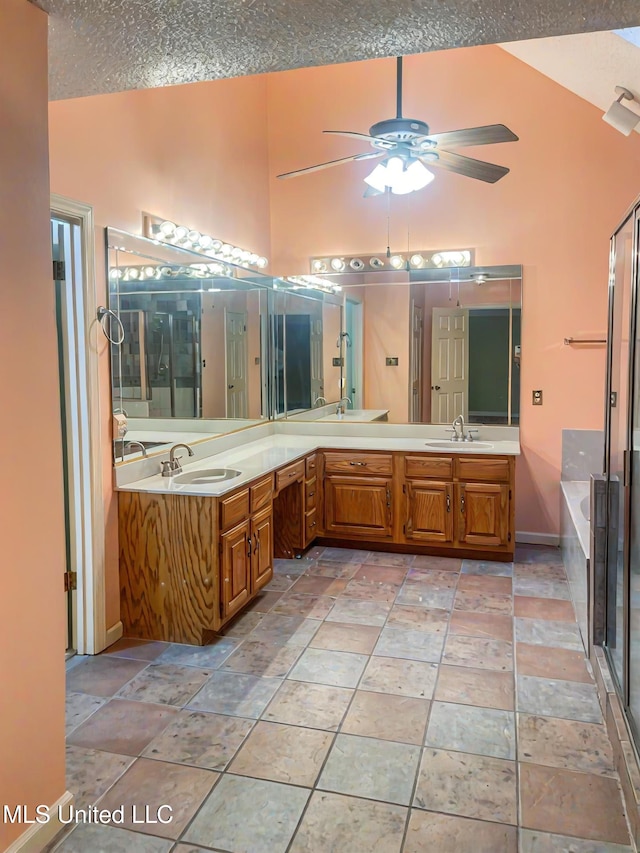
(99, 46)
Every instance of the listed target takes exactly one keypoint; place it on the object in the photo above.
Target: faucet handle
(167, 468)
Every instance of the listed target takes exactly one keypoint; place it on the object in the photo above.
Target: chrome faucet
(317, 402)
(172, 465)
(458, 422)
(340, 406)
(131, 443)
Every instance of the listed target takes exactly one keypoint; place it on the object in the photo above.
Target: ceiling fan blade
(369, 156)
(488, 135)
(371, 191)
(381, 143)
(467, 166)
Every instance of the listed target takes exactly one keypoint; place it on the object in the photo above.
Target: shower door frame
(624, 491)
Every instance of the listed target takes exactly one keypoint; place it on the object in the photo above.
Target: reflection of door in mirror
(415, 362)
(352, 352)
(236, 364)
(449, 364)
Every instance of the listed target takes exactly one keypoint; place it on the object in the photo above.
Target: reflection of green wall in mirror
(489, 365)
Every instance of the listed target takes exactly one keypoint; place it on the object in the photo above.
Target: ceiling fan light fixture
(400, 175)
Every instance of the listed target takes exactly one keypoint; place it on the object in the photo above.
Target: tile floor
(365, 702)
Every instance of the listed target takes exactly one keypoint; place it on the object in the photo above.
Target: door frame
(354, 352)
(416, 361)
(245, 394)
(89, 622)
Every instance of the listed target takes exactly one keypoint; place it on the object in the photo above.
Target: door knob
(230, 387)
(435, 387)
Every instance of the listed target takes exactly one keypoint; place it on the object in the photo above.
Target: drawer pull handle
(448, 503)
(313, 524)
(257, 545)
(311, 494)
(462, 503)
(362, 464)
(249, 547)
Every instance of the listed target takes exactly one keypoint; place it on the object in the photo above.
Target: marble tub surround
(582, 453)
(260, 449)
(387, 725)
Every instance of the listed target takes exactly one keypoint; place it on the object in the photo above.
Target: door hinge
(70, 581)
(508, 537)
(58, 271)
(509, 494)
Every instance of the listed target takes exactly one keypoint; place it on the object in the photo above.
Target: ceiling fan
(407, 146)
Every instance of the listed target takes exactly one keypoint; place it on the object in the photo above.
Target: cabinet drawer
(311, 463)
(311, 494)
(489, 469)
(357, 463)
(311, 525)
(261, 493)
(234, 509)
(440, 467)
(290, 474)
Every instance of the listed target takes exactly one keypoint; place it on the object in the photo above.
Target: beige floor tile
(568, 803)
(479, 653)
(256, 657)
(366, 591)
(377, 574)
(102, 675)
(280, 753)
(547, 662)
(333, 822)
(475, 786)
(418, 618)
(91, 772)
(360, 639)
(485, 583)
(429, 832)
(543, 608)
(402, 677)
(491, 626)
(467, 686)
(318, 706)
(203, 740)
(484, 602)
(309, 606)
(320, 585)
(123, 727)
(324, 666)
(151, 784)
(165, 684)
(568, 744)
(387, 716)
(137, 649)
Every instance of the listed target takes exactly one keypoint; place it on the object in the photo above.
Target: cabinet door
(483, 514)
(236, 546)
(262, 553)
(429, 511)
(358, 506)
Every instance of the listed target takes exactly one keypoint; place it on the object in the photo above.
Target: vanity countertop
(260, 457)
(358, 415)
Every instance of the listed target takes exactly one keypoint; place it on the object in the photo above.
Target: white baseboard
(525, 538)
(114, 633)
(38, 835)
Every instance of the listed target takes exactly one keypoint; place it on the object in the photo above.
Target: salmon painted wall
(572, 178)
(32, 610)
(195, 154)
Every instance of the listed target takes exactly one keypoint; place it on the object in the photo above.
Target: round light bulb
(337, 264)
(205, 241)
(319, 266)
(167, 228)
(397, 261)
(356, 264)
(236, 252)
(262, 263)
(216, 245)
(376, 263)
(226, 248)
(181, 232)
(194, 236)
(134, 273)
(417, 260)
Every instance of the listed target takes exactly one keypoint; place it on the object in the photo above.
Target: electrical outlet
(392, 361)
(338, 362)
(536, 398)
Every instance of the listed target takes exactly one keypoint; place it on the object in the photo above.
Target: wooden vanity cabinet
(358, 495)
(429, 511)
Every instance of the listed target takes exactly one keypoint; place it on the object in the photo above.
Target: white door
(317, 367)
(449, 364)
(236, 364)
(415, 363)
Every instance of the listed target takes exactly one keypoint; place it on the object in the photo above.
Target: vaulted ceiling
(99, 46)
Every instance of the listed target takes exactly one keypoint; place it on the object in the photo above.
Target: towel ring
(103, 313)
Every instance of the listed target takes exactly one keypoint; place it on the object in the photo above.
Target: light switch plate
(392, 361)
(536, 398)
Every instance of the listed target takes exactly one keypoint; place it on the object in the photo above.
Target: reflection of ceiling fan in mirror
(407, 146)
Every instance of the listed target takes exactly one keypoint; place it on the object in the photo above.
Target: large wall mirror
(425, 346)
(191, 355)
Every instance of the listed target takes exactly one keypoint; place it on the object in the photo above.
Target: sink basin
(206, 477)
(460, 445)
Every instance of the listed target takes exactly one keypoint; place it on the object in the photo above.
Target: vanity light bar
(422, 259)
(165, 231)
(165, 272)
(312, 282)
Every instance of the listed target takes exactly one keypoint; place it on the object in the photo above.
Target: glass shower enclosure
(622, 464)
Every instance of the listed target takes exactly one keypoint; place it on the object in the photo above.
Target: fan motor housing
(399, 129)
